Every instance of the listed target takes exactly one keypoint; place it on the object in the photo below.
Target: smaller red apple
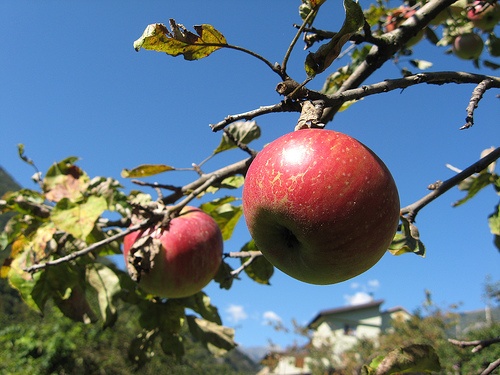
(187, 254)
(468, 46)
(397, 17)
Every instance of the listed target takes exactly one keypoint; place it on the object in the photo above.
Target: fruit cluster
(465, 24)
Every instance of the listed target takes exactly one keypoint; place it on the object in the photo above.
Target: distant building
(338, 329)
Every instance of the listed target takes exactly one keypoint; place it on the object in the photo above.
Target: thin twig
(339, 98)
(491, 367)
(311, 14)
(381, 53)
(94, 246)
(477, 95)
(283, 106)
(274, 68)
(412, 210)
(252, 255)
(477, 344)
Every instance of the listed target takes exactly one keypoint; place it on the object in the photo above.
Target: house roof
(344, 309)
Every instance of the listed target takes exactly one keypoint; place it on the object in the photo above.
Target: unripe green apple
(468, 46)
(320, 205)
(189, 253)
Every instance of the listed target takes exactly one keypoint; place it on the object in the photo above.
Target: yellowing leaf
(407, 240)
(78, 219)
(146, 170)
(320, 60)
(180, 41)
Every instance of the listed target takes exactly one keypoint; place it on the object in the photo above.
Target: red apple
(320, 205)
(189, 255)
(468, 46)
(397, 17)
(484, 14)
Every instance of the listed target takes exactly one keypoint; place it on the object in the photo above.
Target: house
(336, 329)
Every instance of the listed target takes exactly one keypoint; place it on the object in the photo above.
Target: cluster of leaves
(61, 237)
(477, 182)
(67, 215)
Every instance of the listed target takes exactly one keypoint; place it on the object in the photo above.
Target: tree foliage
(58, 242)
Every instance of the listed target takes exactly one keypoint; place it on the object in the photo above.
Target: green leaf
(243, 131)
(201, 304)
(78, 219)
(474, 185)
(172, 344)
(146, 170)
(216, 338)
(413, 358)
(22, 281)
(407, 240)
(140, 350)
(232, 182)
(260, 270)
(421, 64)
(225, 214)
(320, 60)
(25, 202)
(74, 305)
(494, 221)
(180, 41)
(20, 151)
(224, 277)
(107, 285)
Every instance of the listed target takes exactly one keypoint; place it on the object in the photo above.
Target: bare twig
(310, 16)
(94, 246)
(339, 98)
(274, 68)
(435, 78)
(411, 211)
(477, 95)
(252, 255)
(491, 367)
(283, 106)
(477, 344)
(378, 55)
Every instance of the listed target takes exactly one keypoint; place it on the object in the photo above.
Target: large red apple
(320, 205)
(189, 253)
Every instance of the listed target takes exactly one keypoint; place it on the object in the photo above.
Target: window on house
(349, 330)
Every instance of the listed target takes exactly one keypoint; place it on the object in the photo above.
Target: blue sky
(72, 84)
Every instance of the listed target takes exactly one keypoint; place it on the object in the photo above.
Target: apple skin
(468, 46)
(320, 205)
(190, 255)
(483, 15)
(397, 17)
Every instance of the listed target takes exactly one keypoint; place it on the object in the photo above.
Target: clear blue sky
(72, 84)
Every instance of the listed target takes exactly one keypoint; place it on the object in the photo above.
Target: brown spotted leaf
(180, 41)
